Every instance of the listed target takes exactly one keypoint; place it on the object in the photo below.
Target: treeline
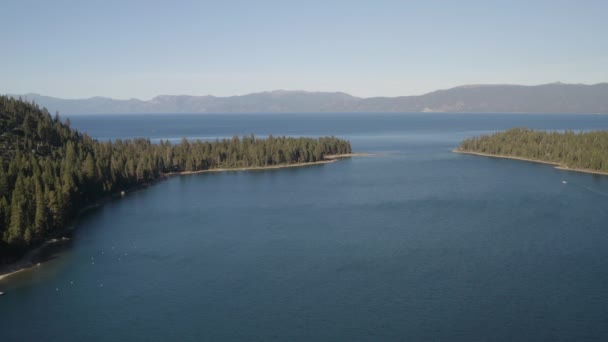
(48, 171)
(583, 150)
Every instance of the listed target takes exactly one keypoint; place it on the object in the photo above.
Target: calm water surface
(416, 243)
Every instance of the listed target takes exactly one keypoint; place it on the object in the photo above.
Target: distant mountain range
(546, 98)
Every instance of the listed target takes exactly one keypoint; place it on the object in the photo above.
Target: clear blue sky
(125, 49)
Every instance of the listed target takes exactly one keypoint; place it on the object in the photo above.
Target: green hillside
(49, 171)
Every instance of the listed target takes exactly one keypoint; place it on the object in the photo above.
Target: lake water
(415, 243)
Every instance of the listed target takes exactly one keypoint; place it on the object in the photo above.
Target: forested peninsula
(49, 172)
(582, 151)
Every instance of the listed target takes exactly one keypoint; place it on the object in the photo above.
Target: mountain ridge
(554, 97)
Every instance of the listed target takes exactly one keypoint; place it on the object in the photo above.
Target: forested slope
(49, 171)
(583, 150)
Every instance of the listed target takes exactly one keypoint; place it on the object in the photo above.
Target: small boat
(1, 293)
(564, 182)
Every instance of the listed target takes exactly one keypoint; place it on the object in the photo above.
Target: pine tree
(14, 234)
(41, 216)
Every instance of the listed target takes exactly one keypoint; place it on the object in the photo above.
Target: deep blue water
(414, 244)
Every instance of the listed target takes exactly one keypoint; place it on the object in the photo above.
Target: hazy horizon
(139, 49)
(300, 91)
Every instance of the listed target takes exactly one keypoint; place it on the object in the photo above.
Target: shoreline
(250, 168)
(27, 262)
(327, 159)
(32, 257)
(348, 155)
(554, 164)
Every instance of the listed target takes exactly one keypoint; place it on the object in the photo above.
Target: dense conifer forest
(49, 171)
(583, 150)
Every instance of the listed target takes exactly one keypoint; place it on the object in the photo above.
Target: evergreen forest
(576, 150)
(49, 172)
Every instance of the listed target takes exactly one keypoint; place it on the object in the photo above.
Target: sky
(140, 49)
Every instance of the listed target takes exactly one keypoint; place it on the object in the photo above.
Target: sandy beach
(253, 168)
(328, 159)
(31, 259)
(5, 275)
